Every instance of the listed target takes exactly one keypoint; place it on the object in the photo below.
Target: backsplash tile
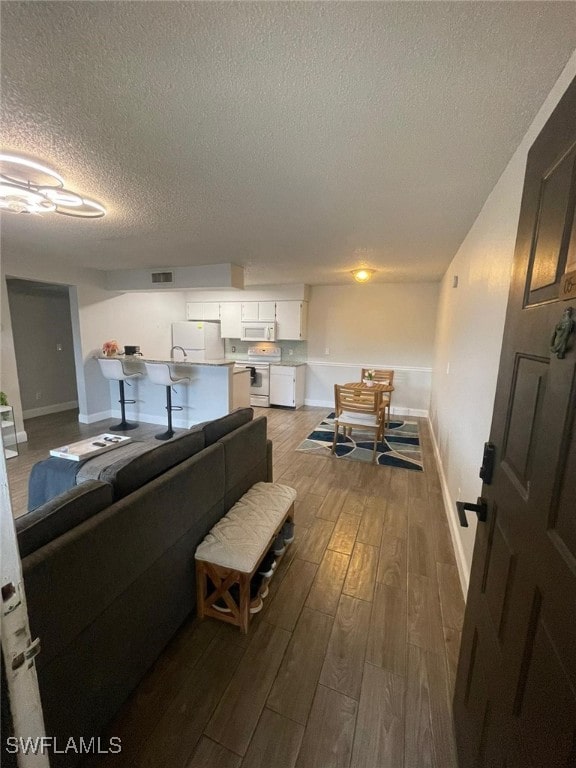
(299, 350)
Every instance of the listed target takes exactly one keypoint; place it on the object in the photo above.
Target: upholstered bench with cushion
(235, 547)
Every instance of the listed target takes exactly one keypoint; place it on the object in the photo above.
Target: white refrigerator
(200, 338)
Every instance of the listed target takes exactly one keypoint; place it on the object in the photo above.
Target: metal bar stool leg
(124, 425)
(169, 432)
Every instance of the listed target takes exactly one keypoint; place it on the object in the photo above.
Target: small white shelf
(10, 433)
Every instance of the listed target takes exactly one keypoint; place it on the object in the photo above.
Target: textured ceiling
(296, 139)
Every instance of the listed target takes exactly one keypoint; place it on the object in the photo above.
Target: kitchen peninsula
(210, 389)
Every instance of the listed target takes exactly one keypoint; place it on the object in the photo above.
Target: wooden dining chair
(382, 377)
(358, 409)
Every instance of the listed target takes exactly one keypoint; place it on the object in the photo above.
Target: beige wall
(469, 335)
(380, 325)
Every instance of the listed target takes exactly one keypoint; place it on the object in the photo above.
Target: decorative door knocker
(561, 335)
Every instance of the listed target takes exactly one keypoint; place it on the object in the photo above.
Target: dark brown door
(515, 697)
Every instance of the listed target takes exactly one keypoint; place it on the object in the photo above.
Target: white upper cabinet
(259, 310)
(202, 310)
(249, 310)
(231, 320)
(211, 310)
(292, 320)
(267, 311)
(194, 310)
(290, 316)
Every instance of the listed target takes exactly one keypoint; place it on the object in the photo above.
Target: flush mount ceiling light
(30, 187)
(362, 275)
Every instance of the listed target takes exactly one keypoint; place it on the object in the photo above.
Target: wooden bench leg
(244, 602)
(201, 587)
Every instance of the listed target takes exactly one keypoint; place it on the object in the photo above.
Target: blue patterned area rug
(400, 448)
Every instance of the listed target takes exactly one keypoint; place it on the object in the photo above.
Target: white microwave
(257, 330)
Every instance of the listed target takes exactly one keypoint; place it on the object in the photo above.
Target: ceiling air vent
(162, 277)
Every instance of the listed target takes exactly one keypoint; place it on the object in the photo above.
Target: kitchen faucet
(177, 346)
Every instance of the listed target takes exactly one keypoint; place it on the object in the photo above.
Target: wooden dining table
(361, 386)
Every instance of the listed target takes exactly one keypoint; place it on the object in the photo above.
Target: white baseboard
(149, 418)
(44, 410)
(91, 418)
(144, 418)
(22, 436)
(449, 504)
(397, 411)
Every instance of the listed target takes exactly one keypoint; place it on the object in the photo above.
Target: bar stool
(160, 373)
(113, 369)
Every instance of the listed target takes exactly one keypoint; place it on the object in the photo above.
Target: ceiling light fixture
(30, 187)
(362, 275)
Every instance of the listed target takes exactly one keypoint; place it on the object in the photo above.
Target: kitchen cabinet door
(267, 311)
(202, 310)
(231, 320)
(291, 318)
(249, 310)
(287, 385)
(282, 386)
(259, 310)
(194, 310)
(211, 310)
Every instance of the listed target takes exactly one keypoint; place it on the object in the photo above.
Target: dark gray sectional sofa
(109, 565)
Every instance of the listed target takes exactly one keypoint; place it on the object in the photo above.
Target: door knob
(481, 509)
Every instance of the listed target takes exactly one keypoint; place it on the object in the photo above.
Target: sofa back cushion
(245, 459)
(127, 475)
(91, 566)
(217, 429)
(60, 514)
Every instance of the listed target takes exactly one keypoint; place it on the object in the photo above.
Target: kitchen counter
(208, 389)
(175, 360)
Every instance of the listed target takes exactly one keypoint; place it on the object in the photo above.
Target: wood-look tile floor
(352, 660)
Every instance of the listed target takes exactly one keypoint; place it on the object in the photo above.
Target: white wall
(97, 315)
(469, 335)
(143, 319)
(379, 325)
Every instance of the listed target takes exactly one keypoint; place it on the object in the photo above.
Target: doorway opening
(44, 346)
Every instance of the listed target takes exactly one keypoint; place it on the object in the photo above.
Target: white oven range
(259, 359)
